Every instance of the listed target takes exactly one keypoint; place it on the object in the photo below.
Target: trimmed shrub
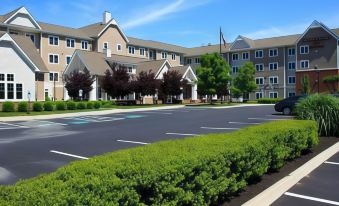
(90, 105)
(191, 171)
(60, 106)
(269, 100)
(322, 108)
(23, 107)
(37, 106)
(97, 105)
(48, 106)
(81, 105)
(71, 105)
(8, 107)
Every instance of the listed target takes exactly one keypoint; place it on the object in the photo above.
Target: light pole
(29, 101)
(318, 82)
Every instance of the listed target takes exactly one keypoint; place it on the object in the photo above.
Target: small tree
(171, 84)
(79, 80)
(245, 80)
(305, 85)
(145, 84)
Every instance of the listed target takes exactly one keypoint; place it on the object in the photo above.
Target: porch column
(194, 92)
(93, 93)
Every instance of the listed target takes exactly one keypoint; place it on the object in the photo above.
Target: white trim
(69, 60)
(304, 47)
(274, 92)
(261, 96)
(70, 43)
(284, 80)
(255, 54)
(263, 67)
(103, 45)
(162, 66)
(260, 78)
(273, 49)
(269, 66)
(288, 52)
(242, 55)
(175, 57)
(118, 48)
(81, 46)
(141, 48)
(273, 77)
(52, 72)
(114, 23)
(53, 36)
(288, 65)
(233, 55)
(23, 10)
(49, 54)
(316, 24)
(189, 68)
(163, 53)
(288, 80)
(133, 49)
(238, 39)
(303, 61)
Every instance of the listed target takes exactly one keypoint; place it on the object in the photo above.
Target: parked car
(287, 105)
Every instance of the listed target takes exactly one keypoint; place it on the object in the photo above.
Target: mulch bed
(269, 179)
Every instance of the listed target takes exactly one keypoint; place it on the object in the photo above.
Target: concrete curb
(104, 112)
(272, 193)
(234, 106)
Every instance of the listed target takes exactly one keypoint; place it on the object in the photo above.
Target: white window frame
(248, 55)
(273, 77)
(6, 78)
(119, 45)
(304, 61)
(289, 94)
(197, 60)
(49, 79)
(82, 45)
(288, 79)
(274, 95)
(259, 65)
(272, 63)
(260, 78)
(189, 61)
(70, 56)
(233, 55)
(70, 46)
(274, 49)
(131, 50)
(163, 55)
(260, 95)
(290, 49)
(304, 47)
(105, 43)
(174, 57)
(54, 37)
(288, 65)
(16, 91)
(49, 54)
(142, 49)
(256, 52)
(236, 69)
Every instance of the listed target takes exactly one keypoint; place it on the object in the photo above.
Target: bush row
(268, 100)
(193, 171)
(50, 106)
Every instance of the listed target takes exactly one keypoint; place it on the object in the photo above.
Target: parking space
(43, 146)
(320, 187)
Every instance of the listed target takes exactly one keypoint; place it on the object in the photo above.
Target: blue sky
(188, 22)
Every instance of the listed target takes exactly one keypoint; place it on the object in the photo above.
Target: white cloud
(278, 31)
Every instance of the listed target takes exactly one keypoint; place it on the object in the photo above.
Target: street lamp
(318, 81)
(29, 101)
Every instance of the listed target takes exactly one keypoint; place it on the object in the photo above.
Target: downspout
(284, 72)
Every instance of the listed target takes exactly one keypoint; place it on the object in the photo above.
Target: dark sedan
(287, 105)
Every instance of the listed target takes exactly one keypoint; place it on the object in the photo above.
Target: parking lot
(320, 187)
(31, 148)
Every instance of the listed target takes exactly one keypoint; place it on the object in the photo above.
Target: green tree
(305, 85)
(213, 76)
(244, 82)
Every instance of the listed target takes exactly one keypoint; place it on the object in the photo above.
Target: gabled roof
(4, 17)
(316, 24)
(197, 51)
(155, 66)
(7, 17)
(26, 46)
(184, 70)
(62, 30)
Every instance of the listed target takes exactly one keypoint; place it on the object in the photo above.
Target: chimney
(108, 53)
(106, 17)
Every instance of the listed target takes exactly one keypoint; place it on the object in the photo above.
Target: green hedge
(48, 106)
(192, 171)
(71, 105)
(90, 105)
(60, 106)
(81, 105)
(23, 107)
(269, 100)
(8, 107)
(37, 107)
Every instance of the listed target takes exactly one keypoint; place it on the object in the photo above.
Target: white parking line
(155, 112)
(13, 125)
(133, 142)
(266, 119)
(71, 155)
(181, 134)
(219, 128)
(332, 163)
(312, 198)
(243, 123)
(54, 123)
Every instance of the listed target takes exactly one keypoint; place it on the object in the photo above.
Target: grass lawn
(105, 107)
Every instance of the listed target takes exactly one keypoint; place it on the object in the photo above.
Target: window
(119, 48)
(291, 65)
(53, 40)
(174, 57)
(142, 51)
(197, 60)
(31, 36)
(273, 80)
(164, 55)
(291, 51)
(130, 69)
(291, 94)
(53, 58)
(259, 54)
(10, 91)
(189, 61)
(291, 79)
(70, 43)
(258, 95)
(273, 94)
(304, 49)
(259, 67)
(235, 70)
(10, 77)
(259, 80)
(2, 90)
(131, 50)
(18, 91)
(245, 55)
(2, 77)
(105, 45)
(273, 66)
(84, 45)
(68, 59)
(53, 76)
(235, 57)
(273, 52)
(304, 64)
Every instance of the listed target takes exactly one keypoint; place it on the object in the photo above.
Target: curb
(234, 106)
(271, 194)
(104, 112)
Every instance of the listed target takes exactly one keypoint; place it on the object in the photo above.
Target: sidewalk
(103, 112)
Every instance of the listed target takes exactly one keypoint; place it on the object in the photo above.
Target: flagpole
(220, 40)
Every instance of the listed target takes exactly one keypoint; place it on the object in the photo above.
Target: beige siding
(113, 37)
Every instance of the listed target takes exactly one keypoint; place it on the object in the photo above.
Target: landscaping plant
(322, 108)
(8, 107)
(23, 107)
(48, 106)
(37, 107)
(60, 106)
(71, 105)
(89, 105)
(97, 105)
(268, 100)
(81, 105)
